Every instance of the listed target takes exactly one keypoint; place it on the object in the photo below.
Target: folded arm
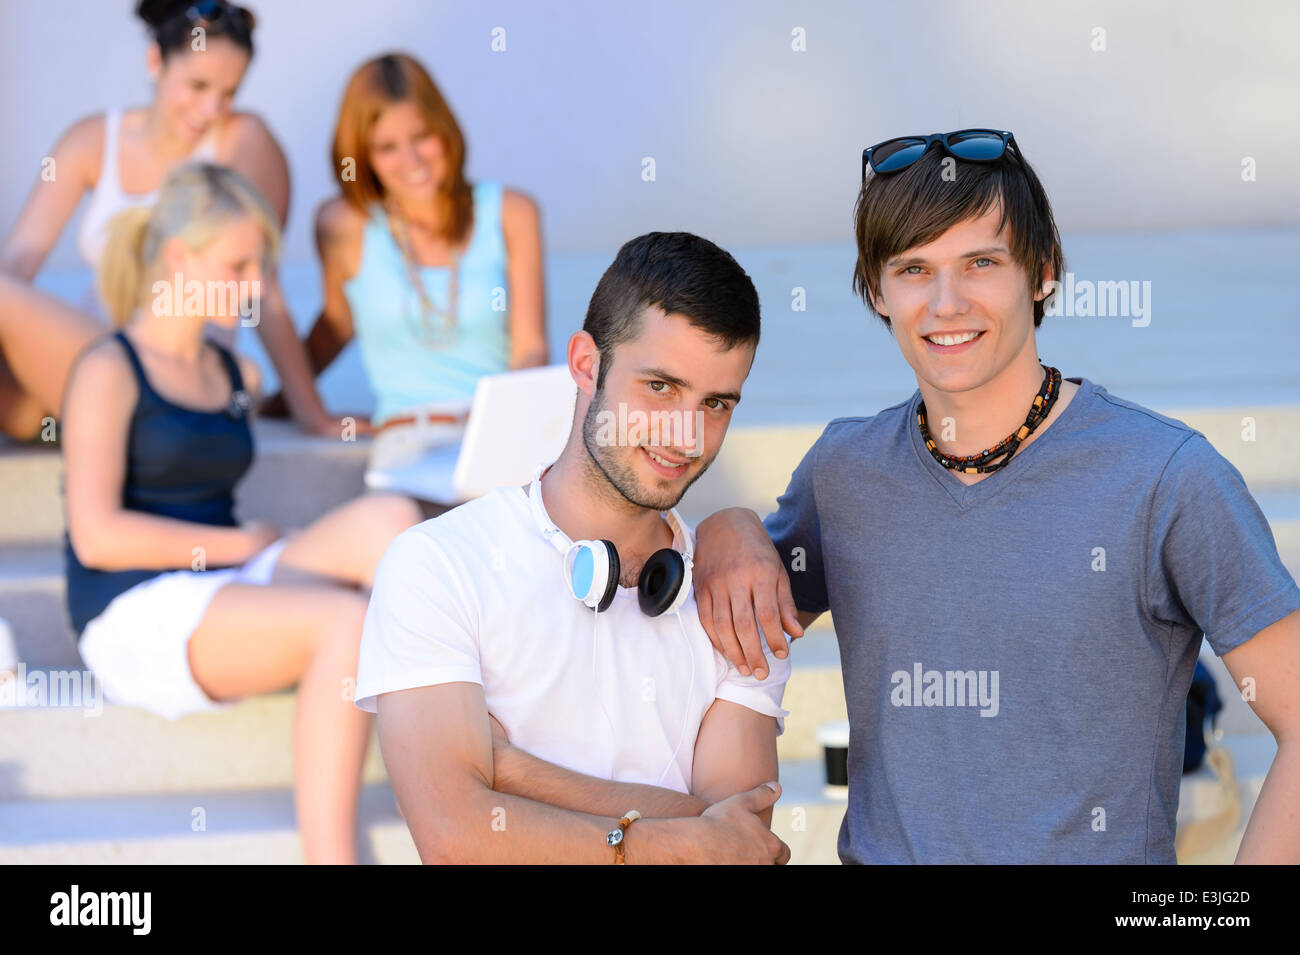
(443, 781)
(734, 751)
(522, 774)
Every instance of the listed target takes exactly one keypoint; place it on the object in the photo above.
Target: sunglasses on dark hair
(210, 11)
(973, 145)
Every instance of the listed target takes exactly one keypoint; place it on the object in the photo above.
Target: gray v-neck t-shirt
(1017, 652)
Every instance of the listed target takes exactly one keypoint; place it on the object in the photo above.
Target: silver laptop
(518, 421)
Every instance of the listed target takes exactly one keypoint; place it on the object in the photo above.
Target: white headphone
(592, 568)
(591, 572)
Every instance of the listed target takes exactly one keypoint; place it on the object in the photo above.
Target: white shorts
(138, 646)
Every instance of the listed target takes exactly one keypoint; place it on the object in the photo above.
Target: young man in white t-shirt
(536, 697)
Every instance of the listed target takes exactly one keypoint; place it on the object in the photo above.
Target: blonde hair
(195, 203)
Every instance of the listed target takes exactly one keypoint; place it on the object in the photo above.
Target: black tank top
(180, 463)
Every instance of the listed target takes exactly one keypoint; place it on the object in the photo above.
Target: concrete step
(296, 477)
(1281, 506)
(258, 826)
(226, 827)
(121, 785)
(101, 749)
(32, 585)
(32, 588)
(248, 745)
(80, 752)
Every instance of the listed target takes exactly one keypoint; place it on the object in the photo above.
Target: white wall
(754, 143)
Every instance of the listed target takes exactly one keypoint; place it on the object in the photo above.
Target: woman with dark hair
(439, 279)
(198, 56)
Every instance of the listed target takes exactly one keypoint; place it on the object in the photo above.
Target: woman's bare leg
(40, 338)
(257, 639)
(21, 415)
(346, 543)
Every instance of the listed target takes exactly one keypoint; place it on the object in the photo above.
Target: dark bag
(1203, 706)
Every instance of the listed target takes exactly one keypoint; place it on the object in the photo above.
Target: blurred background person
(439, 279)
(197, 59)
(178, 607)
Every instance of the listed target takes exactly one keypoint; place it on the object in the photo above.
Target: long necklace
(983, 463)
(437, 327)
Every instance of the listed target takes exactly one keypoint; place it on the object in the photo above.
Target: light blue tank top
(404, 371)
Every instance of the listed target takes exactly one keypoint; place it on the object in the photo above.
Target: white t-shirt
(478, 595)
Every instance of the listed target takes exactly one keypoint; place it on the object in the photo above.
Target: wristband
(614, 838)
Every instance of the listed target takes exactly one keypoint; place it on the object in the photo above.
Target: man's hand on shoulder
(741, 585)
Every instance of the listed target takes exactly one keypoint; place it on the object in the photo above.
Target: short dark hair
(682, 274)
(901, 210)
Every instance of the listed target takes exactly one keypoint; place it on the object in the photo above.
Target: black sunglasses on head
(973, 145)
(210, 11)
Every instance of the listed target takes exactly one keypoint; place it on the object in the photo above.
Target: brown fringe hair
(901, 210)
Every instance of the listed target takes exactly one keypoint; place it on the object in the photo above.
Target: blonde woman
(116, 160)
(438, 278)
(156, 436)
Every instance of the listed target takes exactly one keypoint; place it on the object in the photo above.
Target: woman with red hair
(439, 279)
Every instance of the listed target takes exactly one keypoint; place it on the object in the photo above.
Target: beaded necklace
(983, 463)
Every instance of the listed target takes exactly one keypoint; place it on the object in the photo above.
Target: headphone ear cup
(611, 584)
(661, 582)
(684, 591)
(591, 571)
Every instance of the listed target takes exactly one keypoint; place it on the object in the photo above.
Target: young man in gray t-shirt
(1021, 566)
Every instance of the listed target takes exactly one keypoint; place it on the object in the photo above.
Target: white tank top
(108, 198)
